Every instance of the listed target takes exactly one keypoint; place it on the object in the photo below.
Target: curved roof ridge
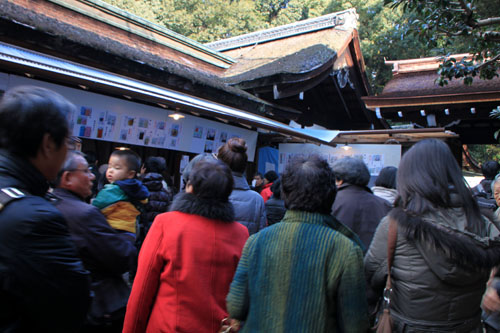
(348, 19)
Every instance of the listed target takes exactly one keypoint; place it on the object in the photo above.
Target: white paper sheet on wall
(107, 118)
(375, 156)
(270, 166)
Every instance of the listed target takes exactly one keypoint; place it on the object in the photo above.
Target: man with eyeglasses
(106, 253)
(44, 286)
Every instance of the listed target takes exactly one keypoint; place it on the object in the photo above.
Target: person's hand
(491, 301)
(229, 325)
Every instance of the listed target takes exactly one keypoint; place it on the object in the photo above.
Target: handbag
(384, 321)
(229, 325)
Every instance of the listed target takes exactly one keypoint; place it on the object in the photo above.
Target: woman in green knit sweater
(304, 274)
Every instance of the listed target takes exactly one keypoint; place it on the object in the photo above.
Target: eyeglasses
(87, 171)
(72, 141)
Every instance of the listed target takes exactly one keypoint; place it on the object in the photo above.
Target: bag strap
(391, 248)
(9, 194)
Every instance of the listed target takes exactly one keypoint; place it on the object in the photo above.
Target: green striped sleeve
(237, 300)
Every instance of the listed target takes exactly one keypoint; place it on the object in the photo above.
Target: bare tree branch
(449, 33)
(488, 21)
(492, 60)
(491, 36)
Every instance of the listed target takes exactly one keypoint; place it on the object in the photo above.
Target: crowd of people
(83, 250)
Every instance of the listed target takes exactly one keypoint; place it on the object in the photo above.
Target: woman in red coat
(188, 258)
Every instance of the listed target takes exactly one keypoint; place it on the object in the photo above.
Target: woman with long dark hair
(443, 253)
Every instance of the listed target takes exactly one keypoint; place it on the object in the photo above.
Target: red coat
(186, 265)
(266, 192)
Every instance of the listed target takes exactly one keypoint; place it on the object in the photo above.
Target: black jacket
(105, 252)
(44, 286)
(159, 198)
(359, 209)
(275, 210)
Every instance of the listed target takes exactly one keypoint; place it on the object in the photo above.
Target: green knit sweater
(304, 274)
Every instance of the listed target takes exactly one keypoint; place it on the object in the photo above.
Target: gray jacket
(429, 290)
(248, 205)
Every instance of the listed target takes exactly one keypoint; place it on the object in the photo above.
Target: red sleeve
(266, 194)
(146, 282)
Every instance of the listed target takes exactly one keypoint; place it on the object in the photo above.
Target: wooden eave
(373, 102)
(102, 12)
(22, 27)
(393, 136)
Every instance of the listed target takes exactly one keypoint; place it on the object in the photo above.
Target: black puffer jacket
(159, 199)
(275, 210)
(43, 284)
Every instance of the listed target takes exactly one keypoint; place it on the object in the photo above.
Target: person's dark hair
(155, 164)
(276, 189)
(132, 160)
(234, 154)
(427, 175)
(258, 174)
(387, 177)
(198, 158)
(211, 180)
(91, 157)
(102, 181)
(308, 184)
(27, 113)
(490, 169)
(351, 170)
(271, 176)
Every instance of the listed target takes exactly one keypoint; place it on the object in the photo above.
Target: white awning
(29, 60)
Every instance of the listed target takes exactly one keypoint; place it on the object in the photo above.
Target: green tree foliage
(388, 29)
(383, 34)
(470, 26)
(484, 153)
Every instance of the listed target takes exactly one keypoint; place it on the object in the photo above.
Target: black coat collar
(212, 209)
(18, 172)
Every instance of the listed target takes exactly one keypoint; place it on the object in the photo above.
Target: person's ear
(47, 146)
(189, 188)
(65, 179)
(131, 174)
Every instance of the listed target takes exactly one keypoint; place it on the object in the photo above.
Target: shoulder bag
(384, 321)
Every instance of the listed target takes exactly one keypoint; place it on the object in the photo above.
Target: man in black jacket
(106, 253)
(356, 206)
(43, 284)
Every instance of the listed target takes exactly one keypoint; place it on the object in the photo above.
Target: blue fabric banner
(268, 159)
